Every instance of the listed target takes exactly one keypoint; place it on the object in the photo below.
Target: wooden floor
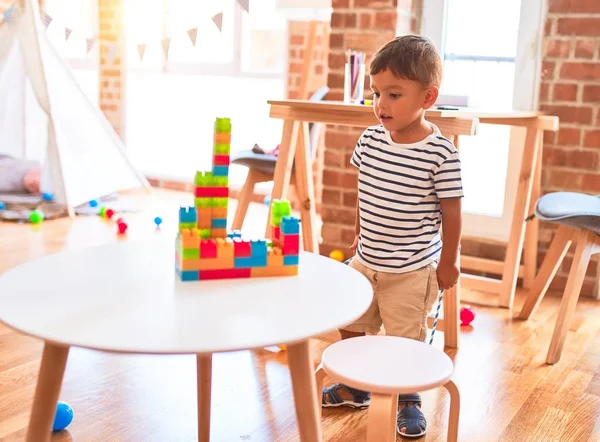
(508, 393)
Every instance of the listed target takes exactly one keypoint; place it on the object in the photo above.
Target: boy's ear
(431, 95)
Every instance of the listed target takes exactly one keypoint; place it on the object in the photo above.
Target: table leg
(283, 167)
(52, 370)
(514, 248)
(204, 383)
(304, 387)
(532, 227)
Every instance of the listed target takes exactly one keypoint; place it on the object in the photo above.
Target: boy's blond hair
(412, 57)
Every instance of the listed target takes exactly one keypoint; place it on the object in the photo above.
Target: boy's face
(398, 102)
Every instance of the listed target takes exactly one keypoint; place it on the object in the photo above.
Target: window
(482, 43)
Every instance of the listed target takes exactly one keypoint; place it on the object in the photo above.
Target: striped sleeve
(356, 158)
(447, 177)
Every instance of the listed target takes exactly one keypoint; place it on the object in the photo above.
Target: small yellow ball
(338, 255)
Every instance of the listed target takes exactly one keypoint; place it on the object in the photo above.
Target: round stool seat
(387, 364)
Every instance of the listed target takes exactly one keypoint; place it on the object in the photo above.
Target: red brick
(574, 6)
(544, 91)
(565, 92)
(362, 41)
(549, 137)
(386, 19)
(340, 3)
(592, 138)
(585, 48)
(570, 114)
(548, 25)
(338, 216)
(568, 136)
(297, 40)
(335, 80)
(556, 48)
(332, 197)
(338, 19)
(365, 20)
(341, 140)
(336, 41)
(336, 60)
(554, 157)
(333, 178)
(351, 20)
(350, 198)
(331, 233)
(334, 158)
(590, 182)
(583, 159)
(579, 26)
(296, 67)
(580, 71)
(548, 70)
(565, 179)
(591, 93)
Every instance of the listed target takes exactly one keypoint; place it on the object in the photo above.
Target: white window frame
(525, 97)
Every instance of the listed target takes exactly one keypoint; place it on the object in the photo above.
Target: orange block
(275, 261)
(260, 272)
(222, 138)
(219, 212)
(219, 233)
(190, 239)
(204, 217)
(216, 263)
(225, 248)
(189, 264)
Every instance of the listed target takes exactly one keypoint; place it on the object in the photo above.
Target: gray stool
(578, 216)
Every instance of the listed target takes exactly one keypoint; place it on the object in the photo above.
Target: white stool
(388, 366)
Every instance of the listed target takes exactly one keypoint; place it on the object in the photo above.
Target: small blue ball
(47, 196)
(268, 200)
(93, 203)
(63, 417)
(158, 221)
(2, 206)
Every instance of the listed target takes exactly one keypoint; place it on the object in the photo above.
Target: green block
(223, 125)
(205, 233)
(221, 202)
(186, 226)
(191, 253)
(202, 202)
(279, 209)
(222, 149)
(221, 181)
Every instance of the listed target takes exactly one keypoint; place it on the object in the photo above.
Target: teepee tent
(44, 115)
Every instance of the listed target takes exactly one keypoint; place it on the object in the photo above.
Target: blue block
(187, 215)
(259, 248)
(245, 263)
(220, 170)
(290, 260)
(234, 234)
(218, 223)
(290, 225)
(189, 275)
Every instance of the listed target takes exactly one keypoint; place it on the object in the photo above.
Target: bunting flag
(67, 33)
(141, 49)
(47, 20)
(112, 52)
(90, 43)
(193, 33)
(8, 14)
(218, 20)
(166, 43)
(244, 4)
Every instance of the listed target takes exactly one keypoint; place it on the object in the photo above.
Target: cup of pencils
(354, 77)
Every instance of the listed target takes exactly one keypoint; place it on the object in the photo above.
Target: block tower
(204, 248)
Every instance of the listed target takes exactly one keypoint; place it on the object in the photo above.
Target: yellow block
(219, 212)
(259, 272)
(190, 239)
(225, 248)
(216, 263)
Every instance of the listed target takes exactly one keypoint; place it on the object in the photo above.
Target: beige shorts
(401, 302)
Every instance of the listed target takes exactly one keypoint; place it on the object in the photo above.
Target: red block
(277, 233)
(241, 248)
(224, 274)
(208, 248)
(211, 192)
(221, 160)
(291, 244)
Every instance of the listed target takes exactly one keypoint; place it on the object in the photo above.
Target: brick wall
(570, 89)
(111, 71)
(362, 25)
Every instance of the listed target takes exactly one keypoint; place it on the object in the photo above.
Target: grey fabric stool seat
(578, 217)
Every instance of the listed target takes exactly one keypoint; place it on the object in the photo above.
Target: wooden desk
(295, 146)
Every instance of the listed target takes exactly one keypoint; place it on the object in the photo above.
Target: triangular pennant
(218, 20)
(67, 33)
(90, 43)
(112, 52)
(245, 4)
(141, 49)
(47, 20)
(193, 33)
(8, 14)
(166, 43)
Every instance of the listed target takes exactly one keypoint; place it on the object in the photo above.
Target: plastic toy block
(242, 263)
(275, 261)
(216, 263)
(189, 264)
(242, 248)
(222, 138)
(290, 224)
(225, 248)
(277, 233)
(189, 239)
(291, 244)
(187, 226)
(259, 248)
(187, 215)
(224, 274)
(211, 192)
(234, 234)
(205, 233)
(208, 248)
(204, 217)
(221, 160)
(219, 233)
(190, 253)
(218, 223)
(291, 260)
(222, 149)
(203, 179)
(279, 209)
(219, 212)
(221, 170)
(222, 125)
(189, 275)
(261, 272)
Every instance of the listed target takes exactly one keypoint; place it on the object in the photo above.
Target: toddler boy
(409, 191)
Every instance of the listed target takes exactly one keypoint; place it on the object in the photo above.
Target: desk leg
(532, 228)
(514, 248)
(204, 384)
(304, 387)
(52, 370)
(283, 167)
(306, 190)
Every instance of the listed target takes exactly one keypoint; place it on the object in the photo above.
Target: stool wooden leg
(454, 411)
(554, 258)
(381, 425)
(319, 376)
(583, 253)
(244, 200)
(204, 379)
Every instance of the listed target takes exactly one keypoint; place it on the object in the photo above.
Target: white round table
(125, 297)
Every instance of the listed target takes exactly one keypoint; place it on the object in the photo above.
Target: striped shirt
(399, 192)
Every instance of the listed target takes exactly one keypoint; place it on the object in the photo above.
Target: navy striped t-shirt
(399, 192)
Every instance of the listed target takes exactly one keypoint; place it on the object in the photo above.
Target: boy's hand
(447, 274)
(354, 244)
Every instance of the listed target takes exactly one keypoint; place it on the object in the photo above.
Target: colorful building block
(279, 209)
(190, 253)
(291, 244)
(221, 160)
(261, 272)
(189, 275)
(208, 248)
(291, 260)
(259, 248)
(224, 274)
(218, 223)
(275, 258)
(290, 224)
(187, 215)
(211, 192)
(277, 233)
(234, 234)
(205, 215)
(249, 262)
(219, 233)
(220, 212)
(205, 233)
(222, 138)
(189, 238)
(217, 263)
(225, 248)
(220, 170)
(242, 248)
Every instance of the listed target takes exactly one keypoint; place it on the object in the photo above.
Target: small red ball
(467, 314)
(122, 228)
(120, 220)
(110, 213)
